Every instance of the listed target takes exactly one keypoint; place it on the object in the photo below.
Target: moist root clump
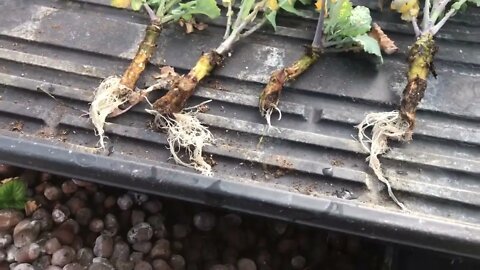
(185, 132)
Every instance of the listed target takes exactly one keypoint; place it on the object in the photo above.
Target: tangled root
(385, 126)
(109, 95)
(185, 131)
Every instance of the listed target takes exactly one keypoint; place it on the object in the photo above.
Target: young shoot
(340, 28)
(399, 125)
(182, 129)
(116, 95)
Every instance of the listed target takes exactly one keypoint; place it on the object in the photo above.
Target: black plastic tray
(66, 47)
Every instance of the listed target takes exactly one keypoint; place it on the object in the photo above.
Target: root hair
(267, 114)
(185, 131)
(385, 126)
(109, 95)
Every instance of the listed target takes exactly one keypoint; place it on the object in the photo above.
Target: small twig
(415, 27)
(318, 38)
(445, 18)
(426, 15)
(229, 20)
(437, 9)
(61, 102)
(151, 13)
(238, 20)
(198, 105)
(227, 44)
(254, 28)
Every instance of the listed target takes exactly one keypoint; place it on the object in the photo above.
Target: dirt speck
(209, 159)
(337, 162)
(203, 108)
(16, 126)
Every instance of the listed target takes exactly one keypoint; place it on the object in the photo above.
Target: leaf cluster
(174, 9)
(347, 27)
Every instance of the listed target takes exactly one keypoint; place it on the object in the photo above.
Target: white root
(385, 126)
(185, 131)
(109, 95)
(268, 114)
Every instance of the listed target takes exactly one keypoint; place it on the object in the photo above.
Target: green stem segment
(177, 96)
(270, 96)
(139, 62)
(136, 67)
(420, 64)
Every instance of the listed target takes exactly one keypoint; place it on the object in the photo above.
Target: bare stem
(318, 38)
(254, 28)
(151, 13)
(416, 28)
(235, 35)
(229, 20)
(426, 15)
(445, 18)
(437, 10)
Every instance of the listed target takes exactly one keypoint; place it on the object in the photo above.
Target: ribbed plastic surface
(309, 169)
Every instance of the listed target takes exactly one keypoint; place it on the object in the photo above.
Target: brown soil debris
(17, 126)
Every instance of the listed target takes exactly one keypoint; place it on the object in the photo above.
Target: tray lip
(328, 213)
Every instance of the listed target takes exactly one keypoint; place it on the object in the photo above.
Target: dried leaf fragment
(191, 25)
(30, 207)
(386, 44)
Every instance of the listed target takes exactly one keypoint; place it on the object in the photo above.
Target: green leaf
(246, 7)
(188, 9)
(289, 6)
(271, 17)
(206, 7)
(13, 194)
(338, 14)
(306, 2)
(137, 4)
(369, 45)
(359, 22)
(461, 5)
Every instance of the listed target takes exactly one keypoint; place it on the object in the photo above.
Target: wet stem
(318, 38)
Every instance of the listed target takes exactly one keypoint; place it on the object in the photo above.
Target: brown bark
(270, 95)
(139, 62)
(420, 65)
(174, 100)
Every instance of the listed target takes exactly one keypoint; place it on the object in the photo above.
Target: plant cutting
(184, 131)
(340, 28)
(116, 95)
(399, 124)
